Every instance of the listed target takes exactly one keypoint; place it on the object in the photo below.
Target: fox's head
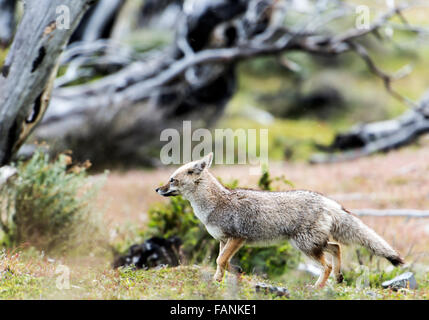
(186, 178)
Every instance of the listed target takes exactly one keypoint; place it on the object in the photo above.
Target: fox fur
(312, 222)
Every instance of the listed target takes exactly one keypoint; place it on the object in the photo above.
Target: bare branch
(387, 79)
(409, 213)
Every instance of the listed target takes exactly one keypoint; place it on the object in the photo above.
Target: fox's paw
(218, 277)
(340, 278)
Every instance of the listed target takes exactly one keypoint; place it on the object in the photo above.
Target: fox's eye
(190, 172)
(171, 180)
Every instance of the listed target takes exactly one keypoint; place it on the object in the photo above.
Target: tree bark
(30, 69)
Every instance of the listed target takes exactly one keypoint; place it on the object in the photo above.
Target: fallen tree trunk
(366, 139)
(30, 69)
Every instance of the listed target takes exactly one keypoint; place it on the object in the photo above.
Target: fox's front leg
(219, 273)
(226, 252)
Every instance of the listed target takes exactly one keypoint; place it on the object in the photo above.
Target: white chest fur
(215, 232)
(201, 212)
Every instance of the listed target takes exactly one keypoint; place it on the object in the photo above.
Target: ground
(398, 179)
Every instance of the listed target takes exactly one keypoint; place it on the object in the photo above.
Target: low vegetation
(31, 275)
(49, 205)
(33, 269)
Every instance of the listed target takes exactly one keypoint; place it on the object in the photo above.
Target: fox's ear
(205, 162)
(209, 159)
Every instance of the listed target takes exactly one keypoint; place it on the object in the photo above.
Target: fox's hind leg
(335, 250)
(226, 252)
(314, 245)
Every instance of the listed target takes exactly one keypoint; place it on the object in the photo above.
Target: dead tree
(366, 139)
(29, 71)
(121, 115)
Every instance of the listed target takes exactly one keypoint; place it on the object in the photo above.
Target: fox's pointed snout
(166, 191)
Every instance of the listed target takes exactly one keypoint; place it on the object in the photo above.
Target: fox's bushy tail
(348, 229)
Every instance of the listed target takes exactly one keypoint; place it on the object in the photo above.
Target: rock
(266, 288)
(405, 280)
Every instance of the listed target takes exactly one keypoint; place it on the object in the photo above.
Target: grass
(3, 54)
(31, 275)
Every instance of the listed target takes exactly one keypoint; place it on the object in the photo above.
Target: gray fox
(311, 222)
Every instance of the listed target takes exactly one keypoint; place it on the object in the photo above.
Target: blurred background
(122, 78)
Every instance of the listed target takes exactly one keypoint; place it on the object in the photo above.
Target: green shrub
(265, 180)
(48, 205)
(177, 218)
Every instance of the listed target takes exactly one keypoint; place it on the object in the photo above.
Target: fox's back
(264, 216)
